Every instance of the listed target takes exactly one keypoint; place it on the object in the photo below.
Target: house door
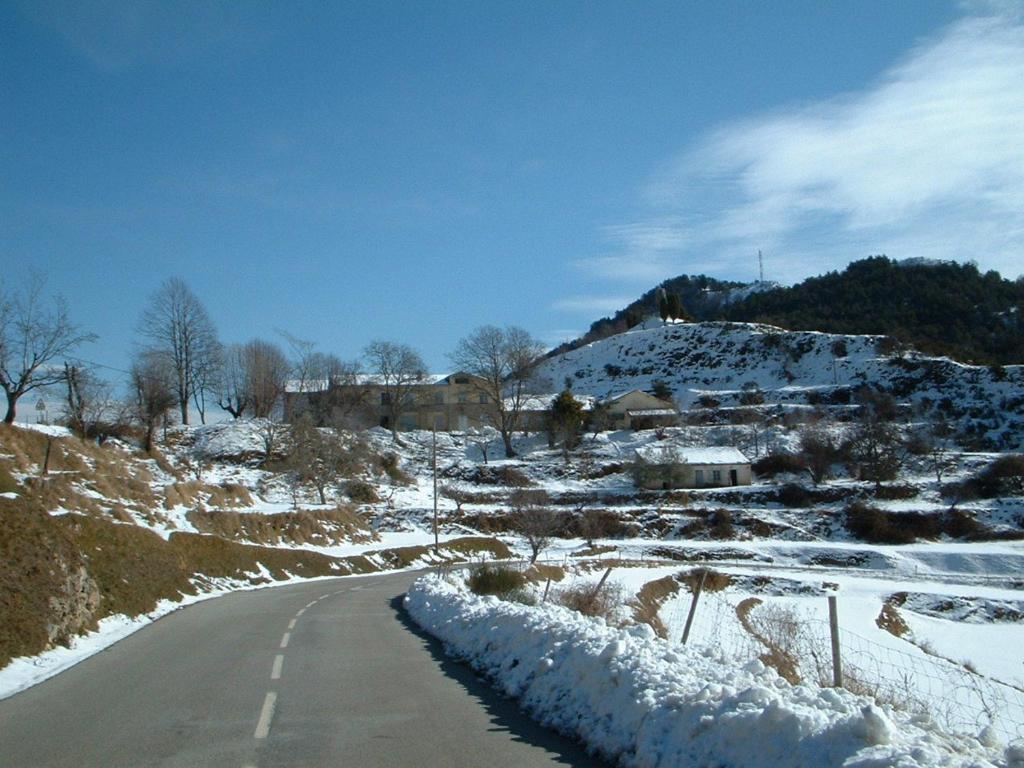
(734, 478)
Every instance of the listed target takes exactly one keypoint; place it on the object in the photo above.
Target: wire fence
(952, 695)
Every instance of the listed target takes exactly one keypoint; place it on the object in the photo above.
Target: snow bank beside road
(635, 698)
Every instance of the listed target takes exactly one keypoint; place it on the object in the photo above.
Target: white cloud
(928, 161)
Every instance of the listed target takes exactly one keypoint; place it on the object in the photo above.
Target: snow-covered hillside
(725, 361)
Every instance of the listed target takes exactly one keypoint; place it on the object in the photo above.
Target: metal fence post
(833, 626)
(693, 605)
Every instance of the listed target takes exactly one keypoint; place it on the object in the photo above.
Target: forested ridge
(941, 308)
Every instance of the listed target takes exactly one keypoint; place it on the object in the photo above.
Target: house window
(439, 398)
(483, 399)
(698, 477)
(461, 380)
(463, 398)
(716, 476)
(385, 398)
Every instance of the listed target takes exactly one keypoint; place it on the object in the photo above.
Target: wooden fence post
(601, 583)
(693, 605)
(833, 626)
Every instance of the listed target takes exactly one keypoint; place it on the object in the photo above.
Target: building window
(385, 398)
(716, 475)
(463, 398)
(461, 380)
(698, 477)
(483, 399)
(439, 398)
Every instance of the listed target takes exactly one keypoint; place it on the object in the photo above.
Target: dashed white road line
(285, 639)
(291, 624)
(323, 597)
(355, 589)
(266, 716)
(275, 672)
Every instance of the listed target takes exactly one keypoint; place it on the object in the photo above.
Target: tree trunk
(184, 412)
(12, 401)
(506, 436)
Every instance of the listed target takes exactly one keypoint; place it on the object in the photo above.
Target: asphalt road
(326, 673)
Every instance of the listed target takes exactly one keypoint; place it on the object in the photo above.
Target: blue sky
(409, 171)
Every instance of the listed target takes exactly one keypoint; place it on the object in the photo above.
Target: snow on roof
(653, 412)
(371, 379)
(619, 395)
(545, 402)
(667, 453)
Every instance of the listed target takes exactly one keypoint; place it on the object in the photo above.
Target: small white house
(665, 465)
(637, 409)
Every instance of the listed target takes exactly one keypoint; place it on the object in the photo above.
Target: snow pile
(634, 698)
(231, 439)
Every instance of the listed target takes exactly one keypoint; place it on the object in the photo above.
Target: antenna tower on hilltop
(760, 266)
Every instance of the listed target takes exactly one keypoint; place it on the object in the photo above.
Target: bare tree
(455, 494)
(398, 369)
(266, 369)
(252, 378)
(33, 337)
(272, 434)
(819, 451)
(232, 389)
(533, 520)
(346, 404)
(207, 379)
(318, 458)
(176, 325)
(502, 361)
(91, 410)
(336, 391)
(153, 381)
(482, 439)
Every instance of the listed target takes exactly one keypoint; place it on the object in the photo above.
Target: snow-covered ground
(961, 601)
(643, 701)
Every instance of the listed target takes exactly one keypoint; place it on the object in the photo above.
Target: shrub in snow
(637, 699)
(497, 580)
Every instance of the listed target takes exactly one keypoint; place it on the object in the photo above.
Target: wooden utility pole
(437, 546)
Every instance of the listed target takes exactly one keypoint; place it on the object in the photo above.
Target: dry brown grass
(777, 634)
(79, 471)
(35, 557)
(648, 602)
(714, 581)
(586, 599)
(890, 619)
(319, 527)
(456, 550)
(540, 572)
